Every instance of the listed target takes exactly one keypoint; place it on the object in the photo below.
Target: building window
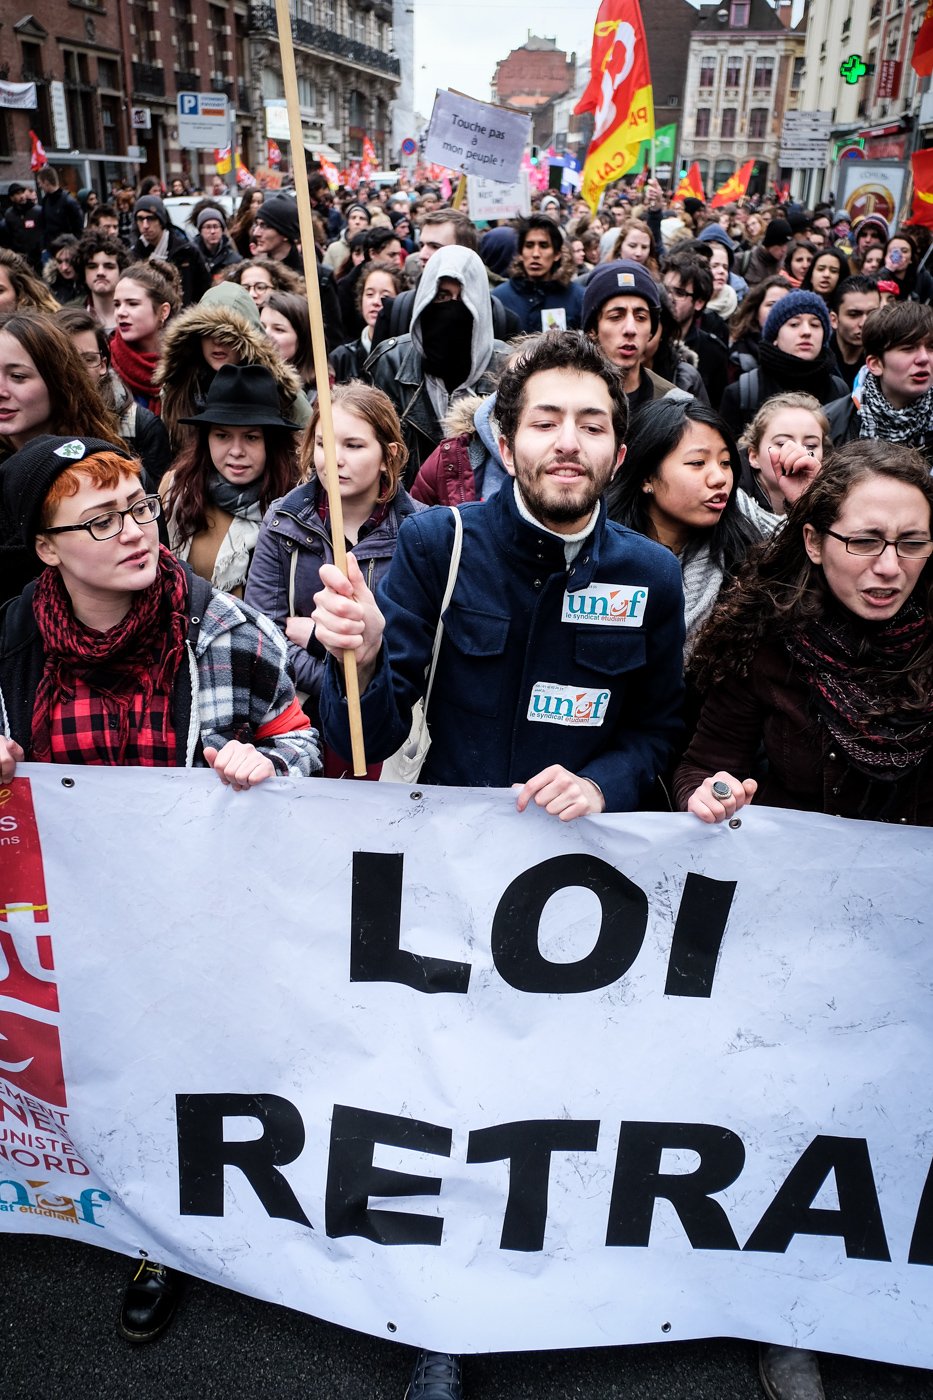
(306, 93)
(764, 73)
(738, 14)
(141, 17)
(108, 73)
(217, 23)
(758, 123)
(702, 122)
(727, 129)
(733, 72)
(796, 81)
(707, 72)
(6, 140)
(32, 62)
(110, 121)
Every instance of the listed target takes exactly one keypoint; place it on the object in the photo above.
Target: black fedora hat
(243, 396)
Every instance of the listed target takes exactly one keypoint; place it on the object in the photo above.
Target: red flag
(618, 94)
(273, 154)
(921, 163)
(734, 188)
(921, 59)
(369, 158)
(690, 186)
(38, 159)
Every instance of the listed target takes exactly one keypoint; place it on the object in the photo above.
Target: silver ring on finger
(721, 790)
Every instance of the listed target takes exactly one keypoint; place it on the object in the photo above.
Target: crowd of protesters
(724, 415)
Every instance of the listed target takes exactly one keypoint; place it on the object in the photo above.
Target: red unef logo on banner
(30, 1048)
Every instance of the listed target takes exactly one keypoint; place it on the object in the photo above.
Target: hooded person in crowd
(450, 350)
(541, 289)
(215, 244)
(158, 237)
(893, 400)
(21, 225)
(224, 329)
(870, 231)
(722, 258)
(794, 357)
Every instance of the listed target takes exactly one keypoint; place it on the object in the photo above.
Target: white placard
(476, 137)
(277, 128)
(411, 1057)
(490, 199)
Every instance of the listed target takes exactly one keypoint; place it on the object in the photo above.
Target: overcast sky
(458, 45)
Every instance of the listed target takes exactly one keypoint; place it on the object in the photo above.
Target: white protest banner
(18, 95)
(427, 1067)
(488, 199)
(476, 137)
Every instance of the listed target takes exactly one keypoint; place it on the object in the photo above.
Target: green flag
(665, 143)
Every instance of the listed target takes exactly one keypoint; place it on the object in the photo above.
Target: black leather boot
(149, 1302)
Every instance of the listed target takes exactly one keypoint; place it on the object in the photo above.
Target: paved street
(57, 1339)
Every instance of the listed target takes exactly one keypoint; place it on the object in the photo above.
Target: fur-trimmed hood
(184, 376)
(459, 417)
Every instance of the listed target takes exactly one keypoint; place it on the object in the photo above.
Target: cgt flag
(691, 186)
(921, 163)
(921, 59)
(619, 95)
(734, 188)
(223, 160)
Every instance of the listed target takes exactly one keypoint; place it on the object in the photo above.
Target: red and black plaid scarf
(857, 678)
(106, 697)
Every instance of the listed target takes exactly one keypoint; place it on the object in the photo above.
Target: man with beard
(560, 666)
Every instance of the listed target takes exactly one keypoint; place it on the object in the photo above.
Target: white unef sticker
(612, 604)
(565, 704)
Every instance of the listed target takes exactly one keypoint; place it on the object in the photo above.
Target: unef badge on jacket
(612, 604)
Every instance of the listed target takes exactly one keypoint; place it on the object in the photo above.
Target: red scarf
(106, 697)
(136, 368)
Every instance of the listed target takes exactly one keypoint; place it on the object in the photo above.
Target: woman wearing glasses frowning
(821, 655)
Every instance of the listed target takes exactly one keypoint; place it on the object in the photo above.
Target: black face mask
(447, 337)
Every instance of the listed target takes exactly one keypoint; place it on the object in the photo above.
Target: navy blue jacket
(504, 636)
(529, 298)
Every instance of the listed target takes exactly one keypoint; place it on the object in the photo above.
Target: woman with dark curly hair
(260, 276)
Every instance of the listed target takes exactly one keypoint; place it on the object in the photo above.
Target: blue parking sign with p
(188, 103)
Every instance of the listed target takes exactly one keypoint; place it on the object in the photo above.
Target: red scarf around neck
(106, 697)
(136, 368)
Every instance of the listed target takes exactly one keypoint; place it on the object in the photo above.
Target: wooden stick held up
(319, 347)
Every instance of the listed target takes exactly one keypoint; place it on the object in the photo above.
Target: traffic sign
(409, 146)
(203, 120)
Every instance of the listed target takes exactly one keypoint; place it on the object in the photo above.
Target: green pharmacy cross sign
(853, 69)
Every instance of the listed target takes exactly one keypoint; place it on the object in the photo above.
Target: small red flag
(734, 188)
(38, 159)
(690, 186)
(921, 59)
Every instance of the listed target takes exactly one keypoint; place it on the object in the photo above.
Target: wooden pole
(460, 194)
(319, 347)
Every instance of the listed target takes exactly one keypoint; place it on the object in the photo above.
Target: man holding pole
(559, 672)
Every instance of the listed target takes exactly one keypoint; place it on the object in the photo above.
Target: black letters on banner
(515, 949)
(858, 1219)
(376, 930)
(698, 934)
(352, 1178)
(203, 1152)
(639, 1182)
(921, 1241)
(527, 1146)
